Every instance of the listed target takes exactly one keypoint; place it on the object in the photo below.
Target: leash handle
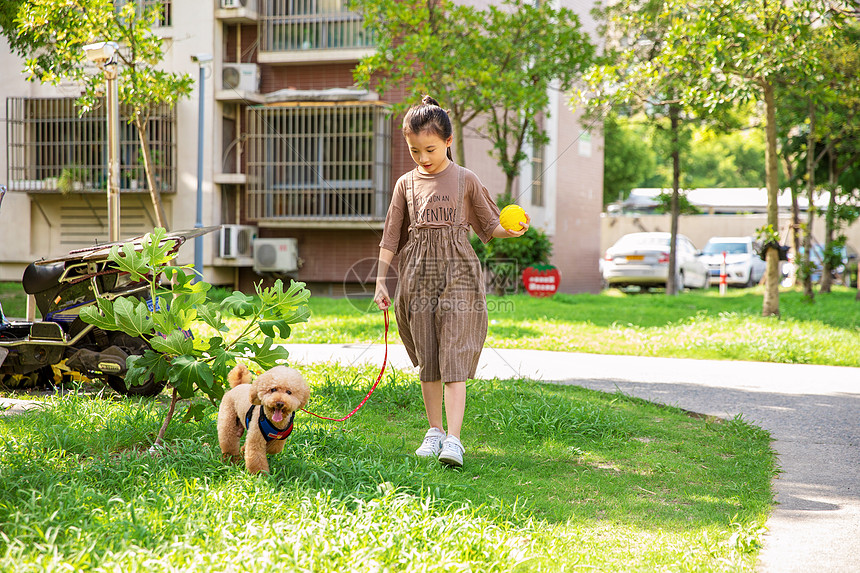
(375, 384)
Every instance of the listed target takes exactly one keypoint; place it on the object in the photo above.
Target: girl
(441, 307)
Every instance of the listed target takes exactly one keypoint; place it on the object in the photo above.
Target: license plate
(635, 258)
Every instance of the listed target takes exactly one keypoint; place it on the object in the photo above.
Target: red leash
(375, 384)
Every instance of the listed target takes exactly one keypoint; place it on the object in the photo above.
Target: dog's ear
(254, 393)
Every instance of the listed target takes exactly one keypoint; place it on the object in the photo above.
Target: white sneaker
(432, 443)
(452, 452)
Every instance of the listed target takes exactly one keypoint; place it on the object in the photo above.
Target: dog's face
(280, 391)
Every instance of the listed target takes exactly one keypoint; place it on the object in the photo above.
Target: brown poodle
(264, 407)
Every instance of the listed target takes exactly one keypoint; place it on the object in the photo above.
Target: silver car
(642, 259)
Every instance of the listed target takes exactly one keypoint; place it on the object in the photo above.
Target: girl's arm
(501, 233)
(381, 297)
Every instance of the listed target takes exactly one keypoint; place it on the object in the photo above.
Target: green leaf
(102, 315)
(268, 355)
(132, 317)
(141, 368)
(186, 371)
(239, 305)
(210, 315)
(129, 261)
(175, 343)
(195, 412)
(268, 328)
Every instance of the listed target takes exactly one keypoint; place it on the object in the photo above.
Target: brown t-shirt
(436, 206)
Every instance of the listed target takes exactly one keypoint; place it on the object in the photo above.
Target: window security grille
(318, 162)
(52, 149)
(311, 25)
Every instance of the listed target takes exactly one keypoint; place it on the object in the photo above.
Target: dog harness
(269, 431)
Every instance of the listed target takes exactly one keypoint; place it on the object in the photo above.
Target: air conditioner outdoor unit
(235, 241)
(240, 77)
(276, 255)
(233, 3)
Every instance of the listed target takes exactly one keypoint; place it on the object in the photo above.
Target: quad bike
(61, 287)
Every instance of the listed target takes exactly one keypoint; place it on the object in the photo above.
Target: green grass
(13, 299)
(691, 325)
(557, 478)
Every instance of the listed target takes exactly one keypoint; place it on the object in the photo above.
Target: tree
(424, 48)
(499, 62)
(636, 74)
(627, 158)
(51, 35)
(525, 49)
(741, 51)
(821, 149)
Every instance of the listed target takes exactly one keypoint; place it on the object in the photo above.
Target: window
(164, 8)
(318, 161)
(287, 25)
(53, 149)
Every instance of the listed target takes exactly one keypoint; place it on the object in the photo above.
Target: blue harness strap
(270, 432)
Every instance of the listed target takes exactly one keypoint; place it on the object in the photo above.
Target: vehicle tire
(150, 388)
(750, 281)
(680, 284)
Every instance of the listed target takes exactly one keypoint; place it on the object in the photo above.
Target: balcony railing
(304, 25)
(318, 162)
(52, 149)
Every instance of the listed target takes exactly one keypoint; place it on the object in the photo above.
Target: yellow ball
(511, 216)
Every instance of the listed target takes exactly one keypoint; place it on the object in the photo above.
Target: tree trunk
(154, 192)
(770, 304)
(509, 184)
(830, 226)
(803, 262)
(173, 400)
(671, 285)
(459, 149)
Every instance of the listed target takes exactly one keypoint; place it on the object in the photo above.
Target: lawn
(557, 478)
(699, 325)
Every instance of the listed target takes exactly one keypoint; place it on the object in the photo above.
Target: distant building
(724, 201)
(298, 165)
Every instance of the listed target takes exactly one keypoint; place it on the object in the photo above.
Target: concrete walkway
(811, 411)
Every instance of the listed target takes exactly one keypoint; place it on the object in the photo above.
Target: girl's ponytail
(428, 116)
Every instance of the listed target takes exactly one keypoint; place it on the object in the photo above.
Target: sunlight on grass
(556, 478)
(691, 325)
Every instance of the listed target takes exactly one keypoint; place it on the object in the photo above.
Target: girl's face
(428, 151)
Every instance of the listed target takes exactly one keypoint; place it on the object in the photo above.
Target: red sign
(541, 280)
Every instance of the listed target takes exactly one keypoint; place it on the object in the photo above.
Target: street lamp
(103, 54)
(201, 60)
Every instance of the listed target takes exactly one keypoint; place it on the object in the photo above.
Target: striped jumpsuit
(440, 302)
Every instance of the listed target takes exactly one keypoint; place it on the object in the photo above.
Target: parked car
(642, 259)
(744, 267)
(841, 272)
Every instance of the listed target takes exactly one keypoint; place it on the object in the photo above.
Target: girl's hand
(381, 298)
(502, 233)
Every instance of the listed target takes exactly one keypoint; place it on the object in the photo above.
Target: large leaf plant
(177, 310)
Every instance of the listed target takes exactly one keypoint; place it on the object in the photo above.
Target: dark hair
(428, 116)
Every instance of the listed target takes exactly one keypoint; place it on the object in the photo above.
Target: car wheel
(680, 284)
(750, 281)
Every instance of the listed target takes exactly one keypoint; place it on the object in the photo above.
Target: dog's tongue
(277, 416)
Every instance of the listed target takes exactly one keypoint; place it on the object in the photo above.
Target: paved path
(811, 411)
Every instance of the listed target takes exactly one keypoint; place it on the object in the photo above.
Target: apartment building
(298, 164)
